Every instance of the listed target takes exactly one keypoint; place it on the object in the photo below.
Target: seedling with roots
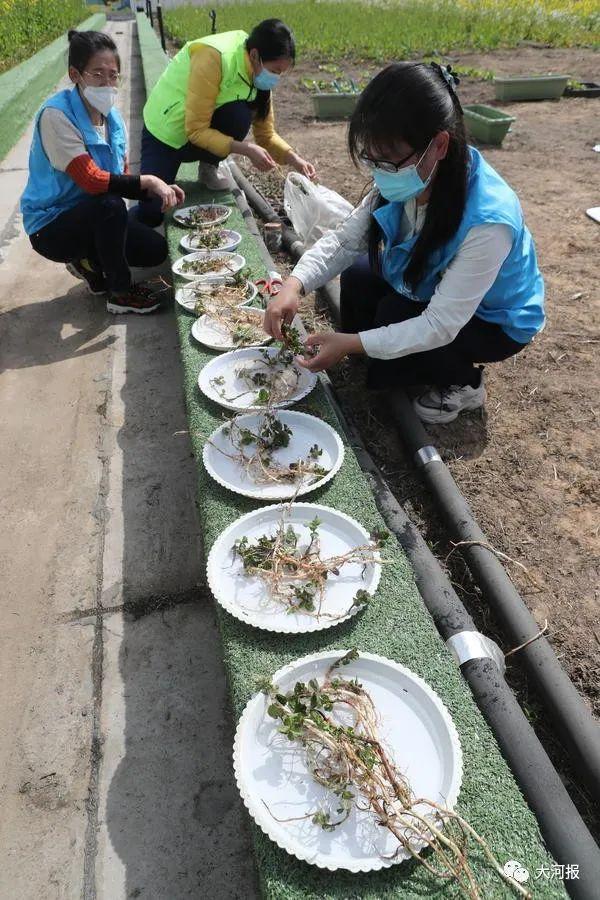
(293, 341)
(209, 239)
(202, 266)
(273, 379)
(294, 572)
(336, 724)
(254, 453)
(243, 325)
(203, 215)
(228, 295)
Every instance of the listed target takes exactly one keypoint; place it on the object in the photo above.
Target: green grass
(28, 25)
(395, 30)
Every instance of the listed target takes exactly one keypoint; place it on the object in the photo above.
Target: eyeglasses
(99, 79)
(384, 164)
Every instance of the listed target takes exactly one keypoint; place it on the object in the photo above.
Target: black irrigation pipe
(564, 831)
(573, 720)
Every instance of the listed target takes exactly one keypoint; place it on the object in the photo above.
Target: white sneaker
(441, 405)
(212, 178)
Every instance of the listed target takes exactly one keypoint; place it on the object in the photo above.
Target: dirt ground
(529, 465)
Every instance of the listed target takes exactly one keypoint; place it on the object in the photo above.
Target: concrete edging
(24, 87)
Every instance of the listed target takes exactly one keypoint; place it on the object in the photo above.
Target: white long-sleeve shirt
(461, 289)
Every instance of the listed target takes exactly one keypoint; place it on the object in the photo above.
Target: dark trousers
(100, 230)
(367, 301)
(159, 159)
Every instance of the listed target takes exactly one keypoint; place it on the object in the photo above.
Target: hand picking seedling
(293, 343)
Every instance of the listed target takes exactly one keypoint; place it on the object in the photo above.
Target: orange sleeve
(87, 175)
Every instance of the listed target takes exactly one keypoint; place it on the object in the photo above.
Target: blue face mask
(265, 80)
(402, 185)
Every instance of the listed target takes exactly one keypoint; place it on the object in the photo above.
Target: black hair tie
(451, 79)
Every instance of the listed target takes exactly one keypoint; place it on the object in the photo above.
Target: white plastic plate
(594, 213)
(187, 296)
(217, 336)
(235, 262)
(180, 215)
(247, 598)
(416, 729)
(306, 431)
(234, 393)
(229, 241)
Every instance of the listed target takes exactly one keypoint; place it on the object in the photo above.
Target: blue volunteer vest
(515, 301)
(48, 192)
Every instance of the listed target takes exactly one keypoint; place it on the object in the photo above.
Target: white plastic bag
(312, 208)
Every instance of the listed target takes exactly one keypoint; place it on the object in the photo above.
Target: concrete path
(115, 736)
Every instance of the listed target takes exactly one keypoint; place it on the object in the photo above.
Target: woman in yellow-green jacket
(202, 107)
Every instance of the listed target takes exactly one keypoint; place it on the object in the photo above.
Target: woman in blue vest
(439, 272)
(73, 207)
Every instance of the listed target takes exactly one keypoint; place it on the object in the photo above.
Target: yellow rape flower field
(386, 29)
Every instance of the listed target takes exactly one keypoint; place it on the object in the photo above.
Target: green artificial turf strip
(396, 624)
(23, 88)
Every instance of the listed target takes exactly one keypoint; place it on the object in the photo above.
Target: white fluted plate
(229, 241)
(247, 598)
(233, 393)
(217, 336)
(306, 431)
(181, 215)
(188, 295)
(415, 728)
(226, 264)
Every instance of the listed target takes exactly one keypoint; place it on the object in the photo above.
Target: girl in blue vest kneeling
(439, 272)
(73, 207)
(204, 103)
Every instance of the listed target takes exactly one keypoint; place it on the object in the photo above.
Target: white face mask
(101, 98)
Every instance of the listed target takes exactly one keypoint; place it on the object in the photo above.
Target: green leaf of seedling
(379, 536)
(263, 397)
(361, 598)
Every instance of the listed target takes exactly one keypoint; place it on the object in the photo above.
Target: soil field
(528, 465)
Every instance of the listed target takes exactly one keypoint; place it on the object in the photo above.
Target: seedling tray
(531, 87)
(487, 124)
(334, 105)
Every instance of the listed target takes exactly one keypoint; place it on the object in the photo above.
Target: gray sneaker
(437, 406)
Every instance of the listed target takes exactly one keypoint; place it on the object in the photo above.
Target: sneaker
(441, 405)
(138, 299)
(212, 178)
(96, 284)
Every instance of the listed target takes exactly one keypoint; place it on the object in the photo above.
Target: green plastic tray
(334, 105)
(531, 87)
(487, 124)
